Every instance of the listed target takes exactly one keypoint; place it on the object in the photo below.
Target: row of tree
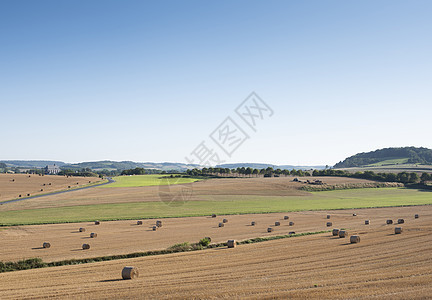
(246, 172)
(402, 177)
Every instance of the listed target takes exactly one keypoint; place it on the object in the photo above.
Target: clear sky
(149, 81)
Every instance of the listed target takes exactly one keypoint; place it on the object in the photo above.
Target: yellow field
(13, 185)
(383, 265)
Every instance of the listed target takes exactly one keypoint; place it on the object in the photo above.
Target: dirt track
(383, 265)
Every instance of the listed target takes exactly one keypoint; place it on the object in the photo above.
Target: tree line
(246, 172)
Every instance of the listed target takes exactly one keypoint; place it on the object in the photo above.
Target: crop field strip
(318, 266)
(124, 237)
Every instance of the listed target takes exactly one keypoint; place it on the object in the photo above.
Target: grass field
(395, 161)
(147, 180)
(221, 204)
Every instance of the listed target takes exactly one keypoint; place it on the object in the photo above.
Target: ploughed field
(13, 185)
(383, 264)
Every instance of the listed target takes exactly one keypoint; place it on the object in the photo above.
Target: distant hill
(125, 165)
(31, 163)
(263, 166)
(388, 156)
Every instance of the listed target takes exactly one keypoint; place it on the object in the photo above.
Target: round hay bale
(416, 216)
(19, 196)
(214, 216)
(354, 215)
(154, 228)
(343, 233)
(225, 220)
(221, 224)
(86, 246)
(277, 223)
(49, 183)
(335, 232)
(68, 186)
(28, 195)
(82, 229)
(398, 230)
(269, 229)
(401, 221)
(93, 235)
(46, 245)
(367, 222)
(291, 223)
(253, 223)
(328, 216)
(97, 223)
(159, 223)
(231, 243)
(389, 222)
(286, 217)
(130, 273)
(139, 222)
(329, 224)
(291, 232)
(354, 239)
(41, 190)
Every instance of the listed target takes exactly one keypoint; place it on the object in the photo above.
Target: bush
(204, 242)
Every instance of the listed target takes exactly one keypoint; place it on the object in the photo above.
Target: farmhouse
(52, 169)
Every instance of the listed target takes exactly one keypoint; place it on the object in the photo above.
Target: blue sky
(149, 81)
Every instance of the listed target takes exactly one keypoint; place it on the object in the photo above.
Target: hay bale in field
(225, 220)
(221, 224)
(231, 243)
(13, 180)
(41, 190)
(130, 273)
(93, 235)
(82, 229)
(69, 186)
(214, 216)
(253, 223)
(49, 183)
(367, 222)
(85, 246)
(46, 245)
(77, 182)
(354, 239)
(389, 222)
(335, 232)
(97, 223)
(277, 223)
(19, 196)
(154, 228)
(291, 232)
(401, 221)
(44, 184)
(159, 223)
(398, 230)
(328, 216)
(139, 222)
(343, 233)
(416, 216)
(329, 224)
(28, 195)
(354, 215)
(291, 223)
(269, 229)
(286, 217)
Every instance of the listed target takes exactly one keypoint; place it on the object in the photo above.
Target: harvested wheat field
(383, 265)
(123, 237)
(281, 186)
(14, 185)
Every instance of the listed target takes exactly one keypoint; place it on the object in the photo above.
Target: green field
(395, 161)
(222, 204)
(146, 180)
